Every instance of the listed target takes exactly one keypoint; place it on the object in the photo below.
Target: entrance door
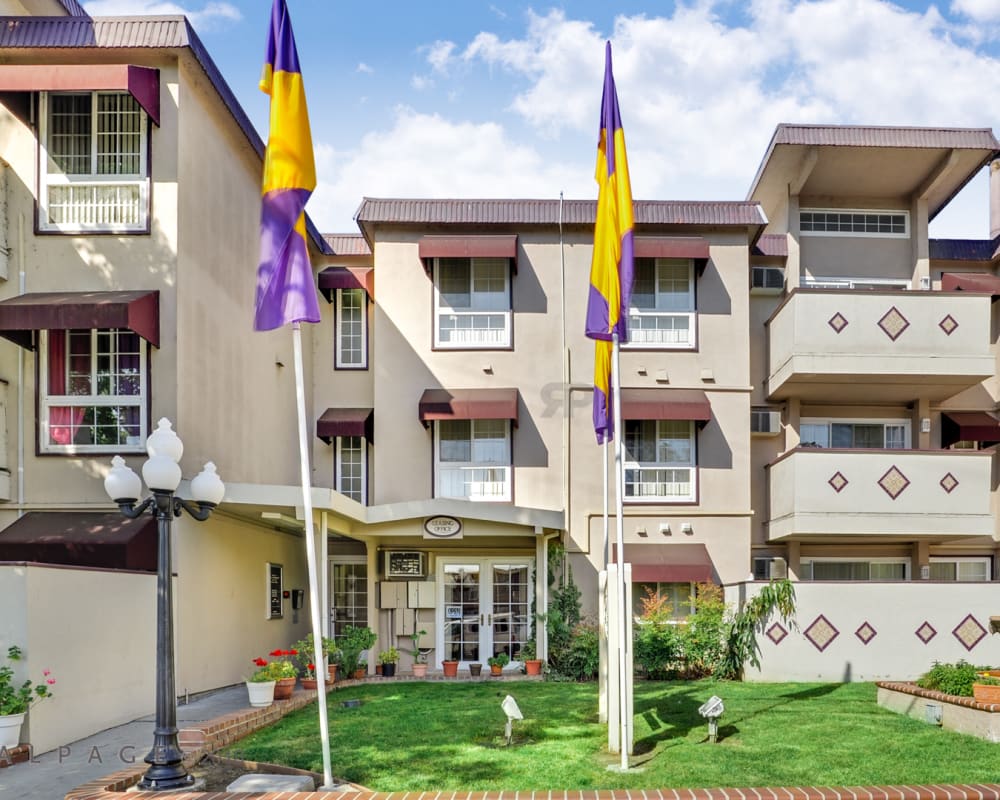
(348, 595)
(485, 608)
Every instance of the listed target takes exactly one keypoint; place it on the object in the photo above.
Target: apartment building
(810, 389)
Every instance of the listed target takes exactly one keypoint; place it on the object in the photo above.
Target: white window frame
(958, 560)
(47, 401)
(905, 423)
(688, 313)
(338, 467)
(847, 560)
(477, 338)
(647, 474)
(339, 362)
(487, 481)
(867, 212)
(764, 270)
(54, 178)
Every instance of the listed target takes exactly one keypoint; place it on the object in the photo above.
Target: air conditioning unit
(765, 422)
(765, 569)
(767, 280)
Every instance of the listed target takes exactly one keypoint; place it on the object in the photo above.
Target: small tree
(741, 643)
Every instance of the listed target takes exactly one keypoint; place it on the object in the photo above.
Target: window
(350, 467)
(92, 391)
(473, 459)
(821, 569)
(894, 435)
(352, 329)
(678, 598)
(960, 569)
(872, 284)
(659, 461)
(661, 314)
(767, 280)
(93, 163)
(472, 303)
(349, 587)
(853, 222)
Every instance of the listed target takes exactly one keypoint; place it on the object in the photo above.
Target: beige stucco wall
(855, 257)
(96, 632)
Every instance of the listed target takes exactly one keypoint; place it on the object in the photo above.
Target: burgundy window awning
(346, 278)
(440, 404)
(694, 247)
(971, 282)
(103, 541)
(480, 246)
(675, 404)
(138, 311)
(143, 83)
(668, 562)
(346, 422)
(969, 426)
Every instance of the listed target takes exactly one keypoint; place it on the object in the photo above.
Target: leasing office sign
(442, 527)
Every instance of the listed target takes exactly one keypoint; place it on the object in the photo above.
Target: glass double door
(485, 608)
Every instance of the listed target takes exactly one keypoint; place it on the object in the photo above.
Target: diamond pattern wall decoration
(838, 322)
(776, 633)
(925, 632)
(866, 633)
(949, 325)
(893, 323)
(969, 632)
(894, 482)
(838, 481)
(821, 633)
(949, 483)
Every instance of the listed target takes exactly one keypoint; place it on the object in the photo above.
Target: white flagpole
(607, 489)
(300, 397)
(621, 611)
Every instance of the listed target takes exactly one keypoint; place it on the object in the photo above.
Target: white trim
(835, 282)
(686, 314)
(986, 560)
(653, 470)
(497, 486)
(487, 338)
(867, 212)
(339, 362)
(338, 467)
(48, 179)
(855, 560)
(829, 421)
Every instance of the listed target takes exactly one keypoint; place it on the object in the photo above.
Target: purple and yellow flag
(286, 291)
(611, 269)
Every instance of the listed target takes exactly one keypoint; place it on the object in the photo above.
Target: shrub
(956, 679)
(581, 659)
(703, 637)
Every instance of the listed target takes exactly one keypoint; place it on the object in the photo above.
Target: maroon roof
(160, 32)
(671, 247)
(547, 212)
(885, 136)
(436, 404)
(667, 562)
(347, 244)
(772, 244)
(970, 282)
(142, 83)
(477, 246)
(108, 540)
(346, 278)
(345, 422)
(677, 404)
(963, 249)
(137, 311)
(969, 426)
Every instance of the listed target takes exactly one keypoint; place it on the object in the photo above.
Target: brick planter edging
(930, 694)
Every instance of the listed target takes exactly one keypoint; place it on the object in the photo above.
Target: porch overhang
(333, 278)
(668, 563)
(979, 282)
(969, 426)
(666, 404)
(446, 404)
(346, 422)
(693, 247)
(474, 246)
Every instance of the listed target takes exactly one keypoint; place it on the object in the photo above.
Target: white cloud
(421, 82)
(364, 68)
(212, 12)
(978, 10)
(439, 55)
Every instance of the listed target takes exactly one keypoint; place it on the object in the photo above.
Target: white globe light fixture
(162, 474)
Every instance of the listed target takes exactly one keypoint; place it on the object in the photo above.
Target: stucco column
(793, 558)
(793, 268)
(920, 558)
(921, 411)
(918, 238)
(793, 418)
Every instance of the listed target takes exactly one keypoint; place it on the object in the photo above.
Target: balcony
(486, 484)
(889, 494)
(878, 346)
(660, 484)
(661, 330)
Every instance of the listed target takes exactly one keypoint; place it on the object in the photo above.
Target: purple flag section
(285, 289)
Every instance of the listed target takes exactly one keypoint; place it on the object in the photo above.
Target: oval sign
(442, 527)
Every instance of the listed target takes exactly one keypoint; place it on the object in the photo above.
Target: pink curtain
(64, 421)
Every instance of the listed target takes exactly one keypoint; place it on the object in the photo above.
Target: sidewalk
(51, 775)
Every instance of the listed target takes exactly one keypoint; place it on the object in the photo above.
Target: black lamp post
(162, 474)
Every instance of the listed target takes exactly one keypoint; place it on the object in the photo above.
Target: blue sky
(462, 98)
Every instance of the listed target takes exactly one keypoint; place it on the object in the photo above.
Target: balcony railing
(895, 345)
(473, 329)
(96, 205)
(661, 329)
(659, 484)
(487, 484)
(883, 493)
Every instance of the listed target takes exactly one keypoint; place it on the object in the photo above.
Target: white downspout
(21, 288)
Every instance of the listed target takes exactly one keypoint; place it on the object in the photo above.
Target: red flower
(276, 653)
(50, 681)
(260, 662)
(312, 667)
(292, 653)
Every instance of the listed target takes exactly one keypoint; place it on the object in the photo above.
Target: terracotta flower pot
(310, 684)
(419, 670)
(495, 669)
(450, 668)
(283, 688)
(533, 666)
(360, 673)
(331, 670)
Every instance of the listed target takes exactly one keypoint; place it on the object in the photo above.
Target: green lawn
(448, 736)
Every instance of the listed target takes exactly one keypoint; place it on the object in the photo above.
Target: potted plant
(986, 689)
(284, 673)
(308, 680)
(353, 642)
(529, 656)
(15, 700)
(497, 663)
(307, 654)
(260, 685)
(419, 654)
(388, 659)
(450, 668)
(333, 658)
